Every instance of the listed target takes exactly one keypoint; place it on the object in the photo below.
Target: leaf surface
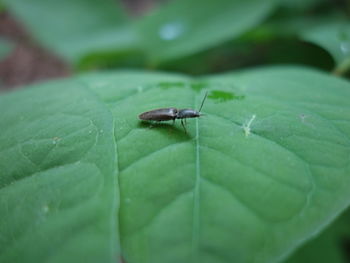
(58, 190)
(227, 188)
(260, 173)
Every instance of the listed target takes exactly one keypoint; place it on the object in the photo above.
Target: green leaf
(76, 28)
(330, 32)
(264, 170)
(301, 5)
(334, 36)
(183, 27)
(58, 189)
(81, 30)
(326, 247)
(221, 193)
(2, 7)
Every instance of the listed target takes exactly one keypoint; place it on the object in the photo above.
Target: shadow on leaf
(171, 129)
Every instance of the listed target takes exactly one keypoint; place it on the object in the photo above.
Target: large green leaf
(263, 171)
(215, 194)
(184, 27)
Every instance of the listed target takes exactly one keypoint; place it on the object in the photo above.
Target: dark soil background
(27, 62)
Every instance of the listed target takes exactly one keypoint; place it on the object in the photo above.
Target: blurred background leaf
(301, 5)
(76, 28)
(333, 36)
(185, 27)
(190, 36)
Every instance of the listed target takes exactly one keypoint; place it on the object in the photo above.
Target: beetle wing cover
(163, 114)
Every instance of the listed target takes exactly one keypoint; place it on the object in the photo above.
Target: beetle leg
(182, 122)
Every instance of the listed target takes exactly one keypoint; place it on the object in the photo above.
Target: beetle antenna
(205, 96)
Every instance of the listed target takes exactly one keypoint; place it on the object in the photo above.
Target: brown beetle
(167, 114)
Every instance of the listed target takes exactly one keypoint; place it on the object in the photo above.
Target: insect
(167, 114)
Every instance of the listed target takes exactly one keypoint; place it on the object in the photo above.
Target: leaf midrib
(196, 198)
